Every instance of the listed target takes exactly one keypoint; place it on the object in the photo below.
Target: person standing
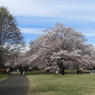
(81, 70)
(8, 71)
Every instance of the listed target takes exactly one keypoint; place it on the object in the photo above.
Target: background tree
(14, 57)
(10, 36)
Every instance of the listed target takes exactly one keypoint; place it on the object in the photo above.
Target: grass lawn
(3, 76)
(70, 84)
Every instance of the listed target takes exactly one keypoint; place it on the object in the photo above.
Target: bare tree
(10, 36)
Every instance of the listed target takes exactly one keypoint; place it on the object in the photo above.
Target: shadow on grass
(39, 73)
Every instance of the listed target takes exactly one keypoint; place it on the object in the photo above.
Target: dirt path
(16, 84)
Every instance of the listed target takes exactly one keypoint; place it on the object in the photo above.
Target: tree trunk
(78, 70)
(62, 68)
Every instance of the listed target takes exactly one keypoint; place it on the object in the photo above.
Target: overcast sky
(33, 16)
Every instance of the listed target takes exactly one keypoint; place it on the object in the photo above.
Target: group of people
(56, 72)
(79, 71)
(24, 70)
(21, 69)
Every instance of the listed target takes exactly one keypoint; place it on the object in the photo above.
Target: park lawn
(3, 76)
(70, 84)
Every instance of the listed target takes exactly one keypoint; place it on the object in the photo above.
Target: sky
(34, 16)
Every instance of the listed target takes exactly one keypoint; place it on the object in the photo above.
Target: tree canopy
(10, 35)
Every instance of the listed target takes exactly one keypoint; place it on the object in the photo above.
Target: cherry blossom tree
(60, 47)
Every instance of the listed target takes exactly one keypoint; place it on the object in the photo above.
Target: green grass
(70, 84)
(3, 76)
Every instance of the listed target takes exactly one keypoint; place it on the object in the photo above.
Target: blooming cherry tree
(60, 47)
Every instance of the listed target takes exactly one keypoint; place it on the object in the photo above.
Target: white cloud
(39, 31)
(32, 30)
(88, 32)
(52, 8)
(26, 48)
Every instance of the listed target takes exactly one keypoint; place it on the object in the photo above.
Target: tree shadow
(39, 73)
